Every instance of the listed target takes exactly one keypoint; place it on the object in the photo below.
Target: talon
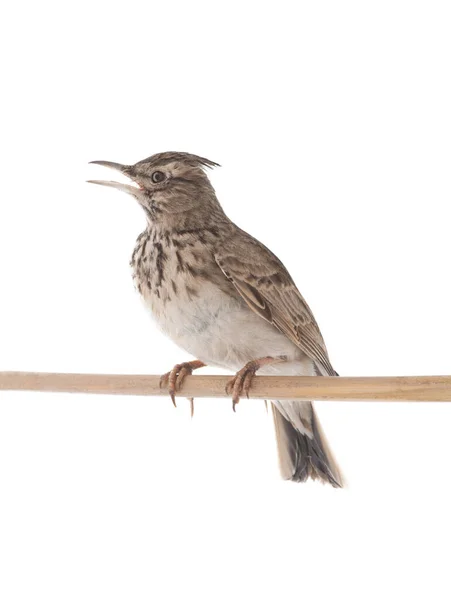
(248, 382)
(237, 389)
(172, 382)
(191, 403)
(165, 380)
(241, 383)
(229, 386)
(230, 389)
(184, 371)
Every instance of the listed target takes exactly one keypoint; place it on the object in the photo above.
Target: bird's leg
(174, 378)
(242, 381)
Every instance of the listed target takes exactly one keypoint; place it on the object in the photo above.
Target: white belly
(221, 330)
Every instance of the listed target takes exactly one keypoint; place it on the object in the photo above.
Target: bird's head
(167, 184)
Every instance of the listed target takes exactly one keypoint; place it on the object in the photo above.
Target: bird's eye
(158, 176)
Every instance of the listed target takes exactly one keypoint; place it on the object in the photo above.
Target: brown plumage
(224, 297)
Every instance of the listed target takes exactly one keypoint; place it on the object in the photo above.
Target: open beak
(127, 170)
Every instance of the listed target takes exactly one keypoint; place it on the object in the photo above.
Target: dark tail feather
(301, 456)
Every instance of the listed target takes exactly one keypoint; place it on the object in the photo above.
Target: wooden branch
(418, 389)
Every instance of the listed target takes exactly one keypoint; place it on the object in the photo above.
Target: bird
(226, 299)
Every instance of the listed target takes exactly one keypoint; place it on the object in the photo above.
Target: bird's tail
(302, 445)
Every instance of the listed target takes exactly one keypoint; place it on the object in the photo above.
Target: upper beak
(111, 165)
(124, 169)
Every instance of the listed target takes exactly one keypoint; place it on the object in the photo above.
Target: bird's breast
(198, 308)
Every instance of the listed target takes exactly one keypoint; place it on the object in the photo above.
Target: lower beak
(124, 169)
(123, 187)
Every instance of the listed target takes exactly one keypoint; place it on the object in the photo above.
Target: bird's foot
(175, 377)
(241, 383)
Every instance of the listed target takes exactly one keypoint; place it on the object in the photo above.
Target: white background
(332, 123)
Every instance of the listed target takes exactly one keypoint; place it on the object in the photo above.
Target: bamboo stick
(417, 389)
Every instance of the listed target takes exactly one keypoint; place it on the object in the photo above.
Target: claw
(191, 406)
(248, 381)
(165, 381)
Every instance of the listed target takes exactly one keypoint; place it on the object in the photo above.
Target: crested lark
(225, 298)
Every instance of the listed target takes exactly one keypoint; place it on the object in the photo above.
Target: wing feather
(264, 283)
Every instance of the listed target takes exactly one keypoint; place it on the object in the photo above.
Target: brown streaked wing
(266, 286)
